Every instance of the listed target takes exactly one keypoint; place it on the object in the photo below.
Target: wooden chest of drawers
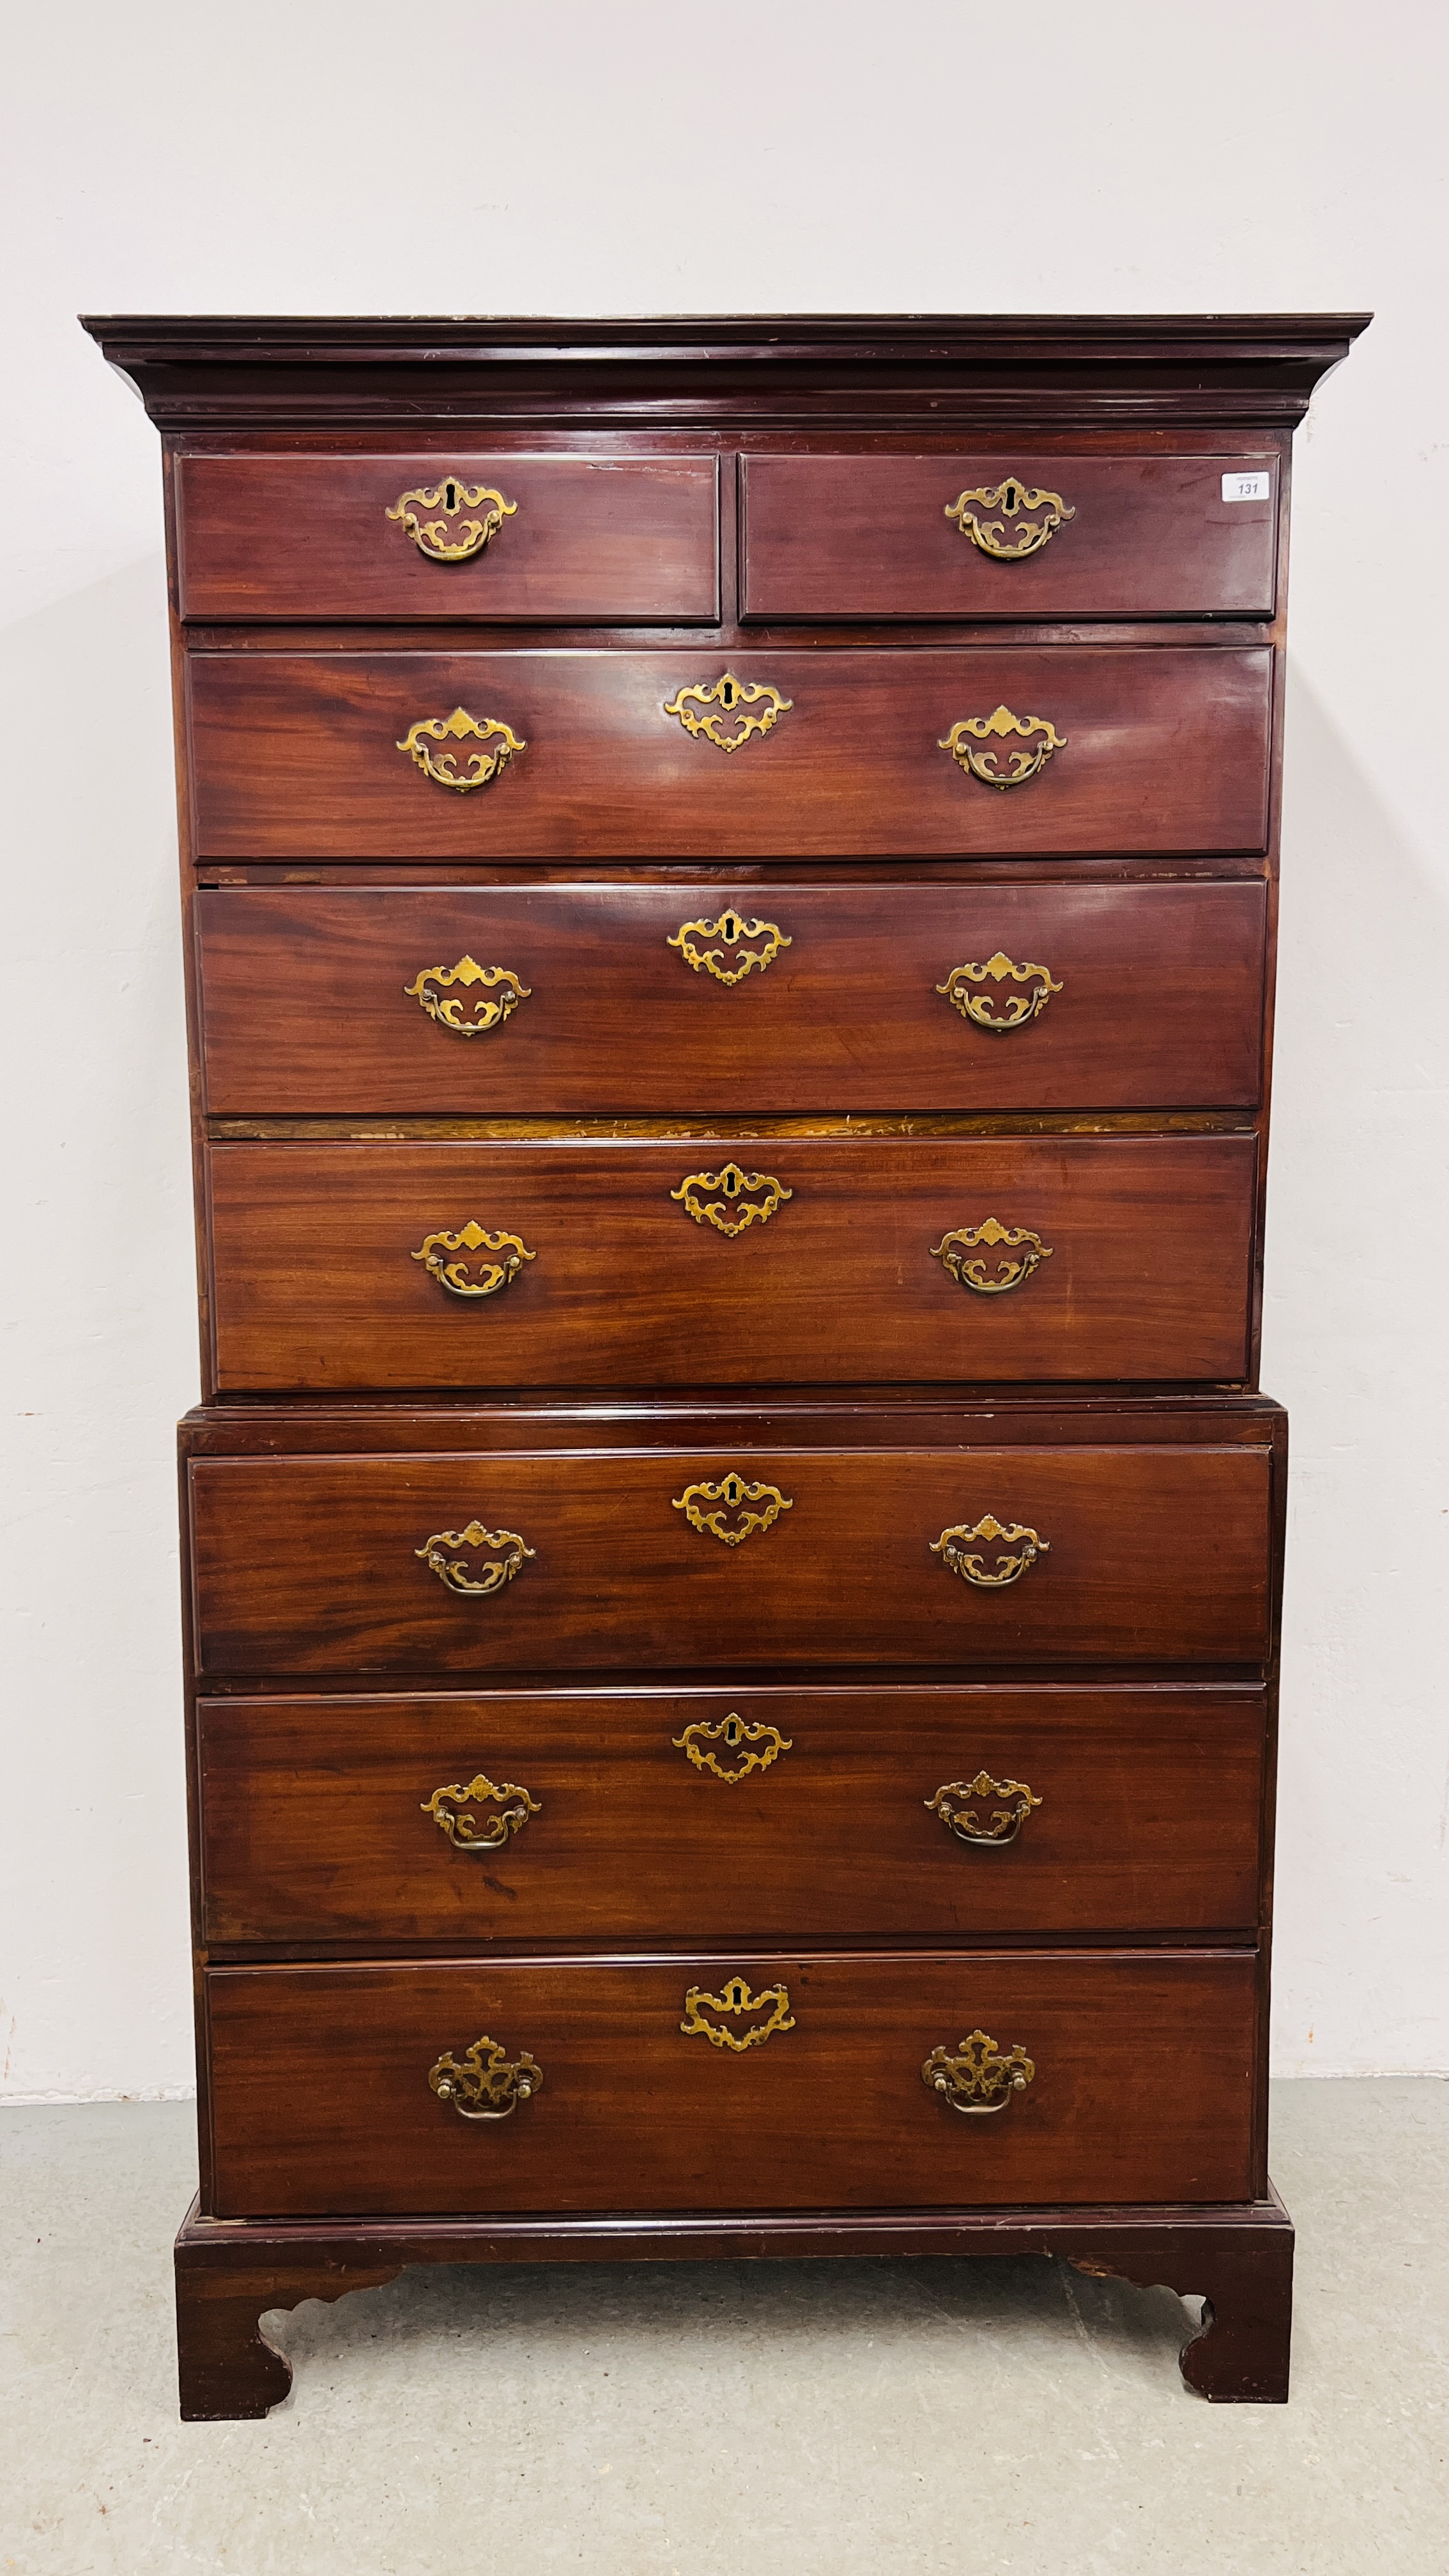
(732, 1548)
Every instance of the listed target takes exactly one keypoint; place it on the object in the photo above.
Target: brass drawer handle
(731, 1495)
(978, 2079)
(734, 1184)
(441, 766)
(1011, 496)
(737, 2000)
(733, 1733)
(1018, 1009)
(984, 764)
(454, 1275)
(486, 2087)
(730, 929)
(696, 709)
(1006, 1821)
(448, 1809)
(453, 538)
(453, 1570)
(449, 1014)
(953, 1248)
(954, 1548)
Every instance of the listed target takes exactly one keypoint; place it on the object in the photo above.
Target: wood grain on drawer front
(1143, 1249)
(1142, 2090)
(1159, 1558)
(868, 536)
(296, 755)
(614, 539)
(715, 1815)
(306, 1006)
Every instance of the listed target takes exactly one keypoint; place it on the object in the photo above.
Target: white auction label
(1247, 487)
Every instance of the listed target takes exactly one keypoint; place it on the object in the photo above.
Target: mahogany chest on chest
(732, 1547)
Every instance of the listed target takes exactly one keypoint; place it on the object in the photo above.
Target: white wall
(580, 158)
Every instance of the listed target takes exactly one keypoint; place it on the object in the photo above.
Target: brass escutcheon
(1011, 496)
(1005, 1821)
(732, 1731)
(453, 1570)
(486, 2087)
(954, 1548)
(978, 2078)
(454, 1275)
(448, 1809)
(737, 1999)
(953, 1248)
(730, 1495)
(984, 765)
(730, 929)
(449, 1013)
(453, 538)
(733, 1212)
(1019, 1009)
(441, 766)
(696, 709)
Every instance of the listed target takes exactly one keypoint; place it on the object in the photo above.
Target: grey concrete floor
(834, 2419)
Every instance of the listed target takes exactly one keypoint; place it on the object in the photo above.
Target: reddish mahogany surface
(315, 1824)
(305, 1007)
(1158, 1557)
(601, 537)
(1143, 2087)
(296, 755)
(868, 536)
(316, 1284)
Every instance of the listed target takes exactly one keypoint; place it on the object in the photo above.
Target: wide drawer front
(734, 1815)
(370, 755)
(1008, 536)
(448, 536)
(666, 1263)
(1152, 1558)
(325, 2083)
(648, 998)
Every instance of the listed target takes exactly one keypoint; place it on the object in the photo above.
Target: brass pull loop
(449, 1014)
(486, 2088)
(695, 707)
(730, 929)
(453, 1570)
(453, 538)
(984, 765)
(953, 1248)
(733, 1183)
(1019, 1009)
(731, 1495)
(441, 766)
(733, 1733)
(978, 2079)
(736, 2000)
(1005, 1821)
(448, 1809)
(954, 1546)
(1011, 496)
(472, 1237)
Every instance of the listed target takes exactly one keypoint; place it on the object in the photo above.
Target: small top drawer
(1015, 535)
(587, 539)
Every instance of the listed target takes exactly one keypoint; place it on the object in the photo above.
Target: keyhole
(450, 496)
(732, 1732)
(727, 693)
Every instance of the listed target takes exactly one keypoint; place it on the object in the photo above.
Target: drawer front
(620, 540)
(719, 1816)
(668, 1263)
(305, 755)
(1107, 536)
(1155, 1558)
(1110, 997)
(321, 2100)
